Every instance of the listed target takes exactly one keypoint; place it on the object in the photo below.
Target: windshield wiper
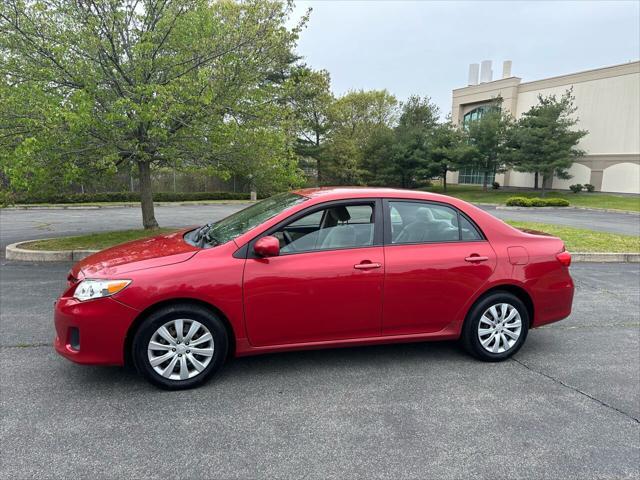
(199, 232)
(210, 238)
(202, 236)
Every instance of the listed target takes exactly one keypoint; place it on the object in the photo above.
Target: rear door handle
(476, 258)
(366, 266)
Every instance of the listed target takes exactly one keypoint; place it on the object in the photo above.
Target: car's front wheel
(496, 327)
(180, 346)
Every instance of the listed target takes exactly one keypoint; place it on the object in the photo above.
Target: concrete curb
(15, 252)
(605, 210)
(589, 257)
(122, 205)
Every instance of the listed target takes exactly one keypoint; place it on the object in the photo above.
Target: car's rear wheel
(180, 346)
(496, 327)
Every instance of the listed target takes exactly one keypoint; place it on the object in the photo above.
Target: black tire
(470, 335)
(157, 319)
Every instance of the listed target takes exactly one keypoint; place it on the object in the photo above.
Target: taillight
(564, 258)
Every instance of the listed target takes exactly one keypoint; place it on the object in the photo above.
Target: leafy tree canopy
(96, 85)
(355, 120)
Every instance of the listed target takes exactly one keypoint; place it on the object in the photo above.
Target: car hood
(136, 255)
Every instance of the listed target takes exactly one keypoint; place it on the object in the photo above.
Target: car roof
(339, 193)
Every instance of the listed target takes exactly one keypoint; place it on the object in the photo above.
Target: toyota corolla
(311, 269)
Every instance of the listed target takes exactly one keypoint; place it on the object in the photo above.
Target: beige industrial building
(608, 107)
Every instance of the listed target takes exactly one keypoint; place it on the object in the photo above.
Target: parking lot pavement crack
(554, 326)
(27, 345)
(575, 389)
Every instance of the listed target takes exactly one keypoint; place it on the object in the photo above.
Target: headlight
(90, 289)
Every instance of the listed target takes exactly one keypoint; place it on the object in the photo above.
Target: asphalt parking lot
(567, 406)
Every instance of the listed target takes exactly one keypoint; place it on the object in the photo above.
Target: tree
(311, 99)
(354, 120)
(488, 137)
(544, 140)
(448, 149)
(411, 150)
(145, 83)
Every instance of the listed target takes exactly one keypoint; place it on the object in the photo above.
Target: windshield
(241, 222)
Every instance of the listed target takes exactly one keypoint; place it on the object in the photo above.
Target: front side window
(421, 222)
(336, 227)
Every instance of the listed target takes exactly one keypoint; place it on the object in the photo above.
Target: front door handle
(366, 266)
(476, 258)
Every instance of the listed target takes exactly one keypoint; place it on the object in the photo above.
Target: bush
(6, 198)
(556, 202)
(576, 188)
(519, 202)
(589, 187)
(537, 202)
(126, 197)
(495, 185)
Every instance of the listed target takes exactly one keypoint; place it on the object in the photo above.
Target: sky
(425, 47)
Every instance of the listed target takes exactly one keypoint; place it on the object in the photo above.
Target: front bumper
(92, 332)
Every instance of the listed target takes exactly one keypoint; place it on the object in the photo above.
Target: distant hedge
(537, 202)
(125, 197)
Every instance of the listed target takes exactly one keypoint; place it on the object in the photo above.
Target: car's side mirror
(267, 247)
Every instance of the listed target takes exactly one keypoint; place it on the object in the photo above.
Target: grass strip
(582, 240)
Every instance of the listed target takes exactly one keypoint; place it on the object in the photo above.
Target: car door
(435, 259)
(326, 284)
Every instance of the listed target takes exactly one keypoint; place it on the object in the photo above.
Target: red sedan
(309, 269)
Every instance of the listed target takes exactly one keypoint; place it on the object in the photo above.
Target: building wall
(622, 177)
(579, 174)
(608, 107)
(521, 179)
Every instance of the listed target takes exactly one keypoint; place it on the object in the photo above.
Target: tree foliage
(311, 99)
(409, 165)
(355, 121)
(96, 85)
(543, 140)
(90, 88)
(449, 149)
(488, 137)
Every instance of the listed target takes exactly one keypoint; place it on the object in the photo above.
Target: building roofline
(576, 77)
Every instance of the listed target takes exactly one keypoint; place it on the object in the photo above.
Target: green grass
(475, 194)
(94, 241)
(582, 240)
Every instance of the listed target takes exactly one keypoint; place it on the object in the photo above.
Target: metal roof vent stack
(506, 69)
(486, 74)
(474, 71)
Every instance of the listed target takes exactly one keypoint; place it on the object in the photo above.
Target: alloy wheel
(180, 349)
(499, 328)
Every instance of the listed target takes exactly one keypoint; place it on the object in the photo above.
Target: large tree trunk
(146, 196)
(444, 180)
(535, 181)
(547, 182)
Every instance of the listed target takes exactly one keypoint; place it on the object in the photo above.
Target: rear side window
(421, 222)
(468, 231)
